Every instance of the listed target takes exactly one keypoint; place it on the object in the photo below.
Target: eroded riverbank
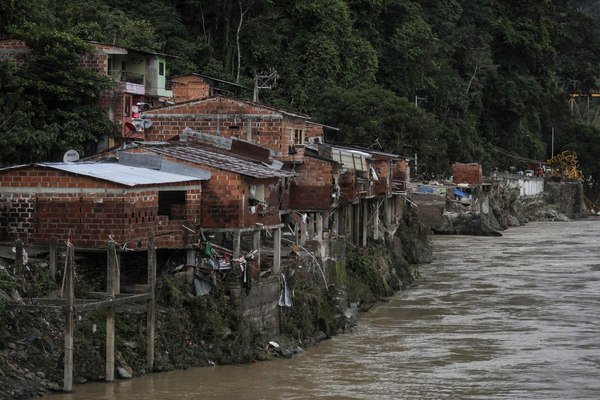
(514, 317)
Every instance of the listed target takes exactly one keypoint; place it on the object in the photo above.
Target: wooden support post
(190, 266)
(388, 213)
(111, 257)
(365, 222)
(256, 245)
(18, 258)
(69, 319)
(277, 251)
(356, 225)
(151, 305)
(52, 258)
(319, 227)
(237, 238)
(376, 220)
(303, 231)
(349, 220)
(310, 225)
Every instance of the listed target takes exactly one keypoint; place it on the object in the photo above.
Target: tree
(373, 117)
(55, 100)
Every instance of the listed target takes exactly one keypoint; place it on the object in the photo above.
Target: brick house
(467, 173)
(243, 197)
(283, 131)
(140, 78)
(89, 202)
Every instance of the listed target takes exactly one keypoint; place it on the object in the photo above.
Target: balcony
(129, 82)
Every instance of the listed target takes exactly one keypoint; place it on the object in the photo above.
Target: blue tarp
(460, 193)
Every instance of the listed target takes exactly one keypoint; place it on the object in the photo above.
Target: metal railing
(126, 76)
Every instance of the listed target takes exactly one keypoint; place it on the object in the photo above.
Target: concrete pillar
(190, 264)
(256, 245)
(151, 305)
(111, 280)
(319, 227)
(388, 213)
(349, 219)
(365, 222)
(237, 238)
(277, 251)
(376, 220)
(303, 232)
(335, 222)
(356, 224)
(311, 225)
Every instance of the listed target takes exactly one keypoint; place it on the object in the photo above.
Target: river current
(511, 317)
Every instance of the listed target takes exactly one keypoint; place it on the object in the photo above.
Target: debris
(285, 298)
(274, 344)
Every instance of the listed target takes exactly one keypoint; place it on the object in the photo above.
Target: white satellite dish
(71, 156)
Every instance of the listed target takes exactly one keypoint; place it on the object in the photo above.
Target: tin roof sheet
(217, 158)
(119, 173)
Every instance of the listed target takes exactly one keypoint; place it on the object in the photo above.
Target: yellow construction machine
(565, 165)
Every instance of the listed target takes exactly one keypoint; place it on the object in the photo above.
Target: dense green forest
(450, 80)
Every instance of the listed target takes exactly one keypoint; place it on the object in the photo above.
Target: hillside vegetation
(447, 79)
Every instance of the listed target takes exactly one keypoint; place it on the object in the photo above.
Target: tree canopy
(449, 79)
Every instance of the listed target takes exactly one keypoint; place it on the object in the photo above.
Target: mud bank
(498, 206)
(197, 331)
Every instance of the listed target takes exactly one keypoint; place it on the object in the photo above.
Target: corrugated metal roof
(217, 158)
(156, 162)
(118, 173)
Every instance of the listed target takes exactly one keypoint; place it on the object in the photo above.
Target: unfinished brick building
(467, 173)
(90, 202)
(140, 78)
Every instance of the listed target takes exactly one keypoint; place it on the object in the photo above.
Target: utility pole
(552, 143)
(263, 81)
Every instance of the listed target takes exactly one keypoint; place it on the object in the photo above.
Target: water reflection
(514, 317)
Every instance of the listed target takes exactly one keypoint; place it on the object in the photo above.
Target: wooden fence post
(111, 262)
(18, 258)
(52, 259)
(151, 304)
(69, 319)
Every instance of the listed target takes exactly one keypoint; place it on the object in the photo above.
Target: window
(172, 204)
(161, 68)
(127, 106)
(297, 136)
(256, 194)
(109, 66)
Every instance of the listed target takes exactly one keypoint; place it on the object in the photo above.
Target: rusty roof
(215, 157)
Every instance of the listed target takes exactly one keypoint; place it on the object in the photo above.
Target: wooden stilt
(52, 258)
(365, 222)
(256, 245)
(151, 305)
(237, 239)
(19, 258)
(277, 251)
(111, 257)
(69, 319)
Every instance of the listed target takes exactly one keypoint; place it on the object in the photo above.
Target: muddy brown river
(512, 317)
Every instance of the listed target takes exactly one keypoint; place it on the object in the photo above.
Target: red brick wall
(16, 216)
(225, 201)
(229, 118)
(11, 48)
(347, 182)
(312, 189)
(130, 215)
(189, 87)
(382, 187)
(467, 173)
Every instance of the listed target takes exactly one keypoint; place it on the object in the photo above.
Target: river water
(512, 317)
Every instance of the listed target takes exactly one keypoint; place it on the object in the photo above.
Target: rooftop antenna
(263, 81)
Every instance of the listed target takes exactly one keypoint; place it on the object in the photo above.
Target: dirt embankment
(190, 330)
(499, 207)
